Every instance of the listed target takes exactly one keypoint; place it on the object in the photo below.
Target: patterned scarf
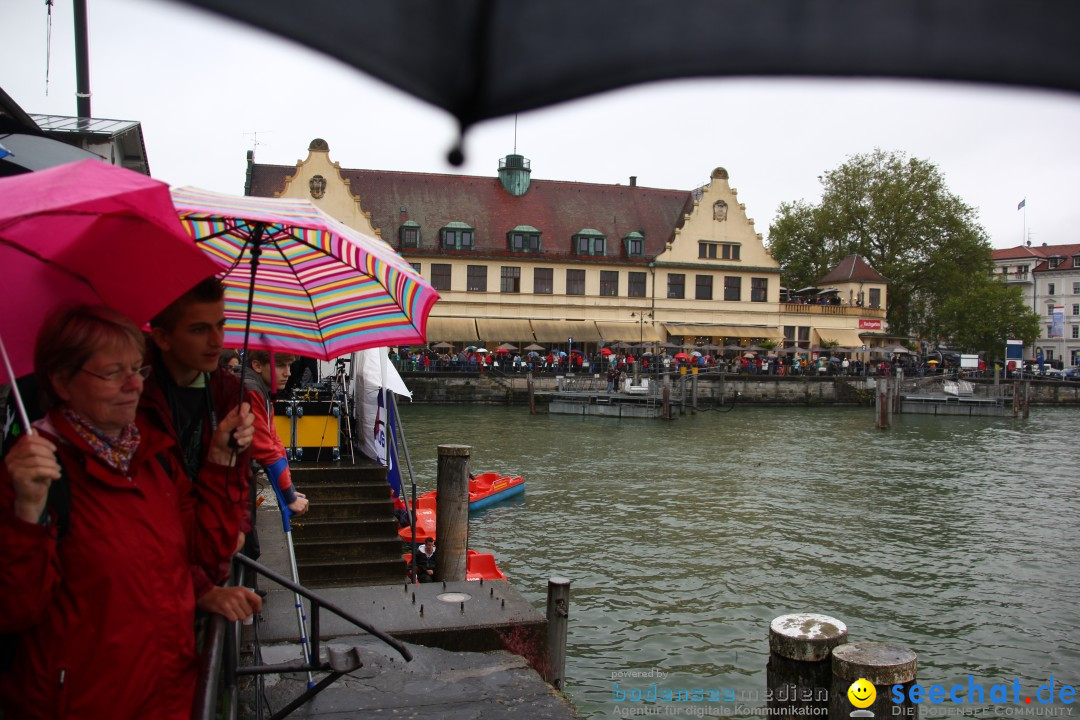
(115, 452)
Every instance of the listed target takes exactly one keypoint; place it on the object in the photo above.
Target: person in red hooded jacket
(100, 597)
(268, 376)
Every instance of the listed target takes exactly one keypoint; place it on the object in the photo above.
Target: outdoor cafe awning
(451, 329)
(726, 331)
(558, 331)
(503, 329)
(630, 332)
(847, 337)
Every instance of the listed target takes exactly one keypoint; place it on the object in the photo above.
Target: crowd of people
(805, 363)
(123, 504)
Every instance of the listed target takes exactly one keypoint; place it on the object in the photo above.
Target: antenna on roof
(515, 133)
(255, 139)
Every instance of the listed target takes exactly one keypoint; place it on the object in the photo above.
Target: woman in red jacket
(104, 613)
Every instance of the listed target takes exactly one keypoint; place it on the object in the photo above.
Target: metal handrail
(219, 654)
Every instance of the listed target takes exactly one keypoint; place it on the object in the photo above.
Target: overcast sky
(201, 86)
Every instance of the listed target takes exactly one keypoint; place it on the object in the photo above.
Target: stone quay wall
(494, 388)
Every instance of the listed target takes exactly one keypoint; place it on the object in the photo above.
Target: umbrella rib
(45, 261)
(307, 294)
(290, 233)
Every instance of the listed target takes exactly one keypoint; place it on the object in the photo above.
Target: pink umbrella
(88, 232)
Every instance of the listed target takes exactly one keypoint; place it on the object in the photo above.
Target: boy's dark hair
(263, 358)
(206, 291)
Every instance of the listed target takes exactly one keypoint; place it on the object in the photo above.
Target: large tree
(986, 316)
(898, 213)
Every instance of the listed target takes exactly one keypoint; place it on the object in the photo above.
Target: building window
(733, 287)
(759, 289)
(703, 287)
(804, 337)
(524, 239)
(410, 236)
(575, 282)
(789, 335)
(457, 236)
(676, 285)
(1076, 331)
(609, 283)
(875, 297)
(440, 276)
(635, 245)
(1076, 288)
(1050, 288)
(635, 284)
(1076, 261)
(1076, 309)
(590, 245)
(477, 278)
(713, 250)
(416, 267)
(1054, 262)
(1049, 308)
(510, 280)
(543, 281)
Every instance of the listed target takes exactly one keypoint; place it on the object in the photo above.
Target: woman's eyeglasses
(119, 377)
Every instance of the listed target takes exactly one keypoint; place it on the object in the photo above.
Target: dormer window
(409, 234)
(634, 244)
(590, 242)
(524, 238)
(456, 236)
(1076, 261)
(1054, 262)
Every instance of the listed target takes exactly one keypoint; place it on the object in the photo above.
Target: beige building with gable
(522, 260)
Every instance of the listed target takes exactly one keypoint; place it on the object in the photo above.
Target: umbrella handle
(27, 428)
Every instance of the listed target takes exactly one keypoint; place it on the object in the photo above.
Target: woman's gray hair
(71, 335)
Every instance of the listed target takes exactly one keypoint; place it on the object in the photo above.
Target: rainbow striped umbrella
(321, 289)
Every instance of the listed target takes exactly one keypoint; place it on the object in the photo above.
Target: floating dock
(605, 404)
(941, 404)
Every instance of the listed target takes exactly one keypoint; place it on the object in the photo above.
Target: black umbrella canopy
(481, 59)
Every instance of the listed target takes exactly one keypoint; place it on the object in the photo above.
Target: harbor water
(684, 539)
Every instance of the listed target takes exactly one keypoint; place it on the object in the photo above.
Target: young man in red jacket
(185, 397)
(268, 377)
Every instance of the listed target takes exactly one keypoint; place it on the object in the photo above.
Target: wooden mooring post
(558, 617)
(532, 393)
(883, 665)
(799, 674)
(1027, 398)
(883, 406)
(452, 512)
(693, 390)
(667, 398)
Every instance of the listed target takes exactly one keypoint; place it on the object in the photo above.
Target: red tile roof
(1022, 252)
(853, 269)
(558, 209)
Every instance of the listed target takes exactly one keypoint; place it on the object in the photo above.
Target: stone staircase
(349, 536)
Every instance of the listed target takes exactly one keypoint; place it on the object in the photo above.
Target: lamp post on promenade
(641, 339)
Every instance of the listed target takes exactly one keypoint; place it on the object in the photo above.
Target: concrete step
(353, 574)
(359, 550)
(337, 472)
(348, 529)
(349, 510)
(323, 491)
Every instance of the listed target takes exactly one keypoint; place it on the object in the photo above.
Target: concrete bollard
(799, 674)
(558, 617)
(452, 512)
(882, 665)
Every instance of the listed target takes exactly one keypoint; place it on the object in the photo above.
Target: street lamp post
(641, 341)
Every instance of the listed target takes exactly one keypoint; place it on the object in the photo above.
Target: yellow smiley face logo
(862, 693)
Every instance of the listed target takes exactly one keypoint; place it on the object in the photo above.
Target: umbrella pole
(15, 390)
(256, 252)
